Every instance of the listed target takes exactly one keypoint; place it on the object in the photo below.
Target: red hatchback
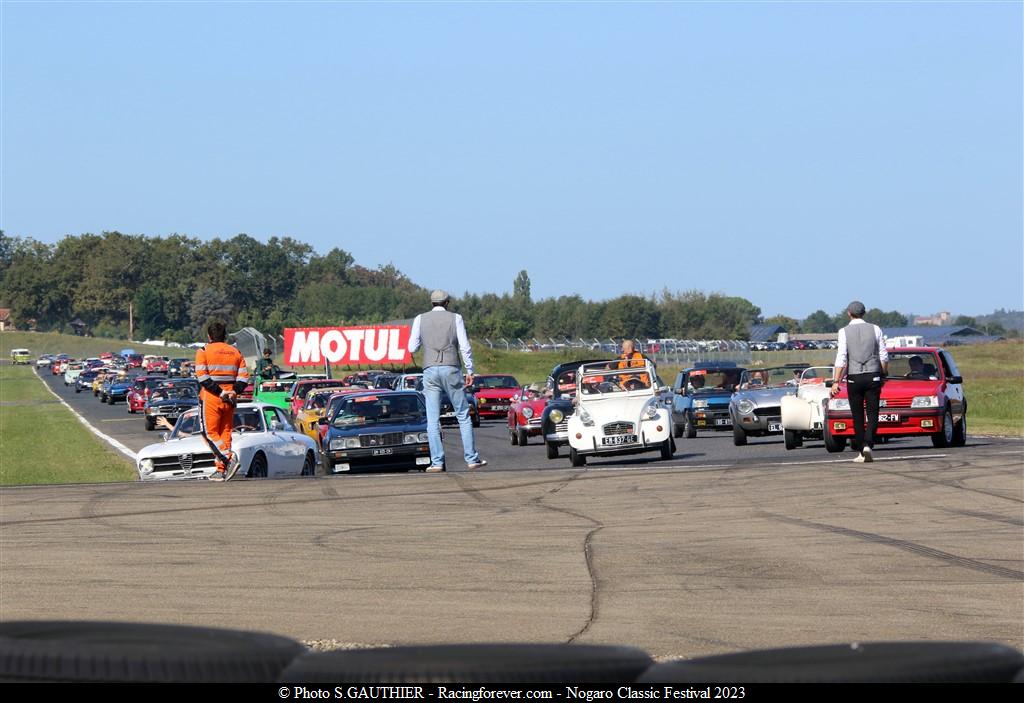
(494, 394)
(923, 395)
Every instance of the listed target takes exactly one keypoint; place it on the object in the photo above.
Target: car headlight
(700, 403)
(338, 443)
(745, 406)
(527, 412)
(146, 466)
(556, 416)
(925, 401)
(839, 404)
(423, 437)
(585, 418)
(409, 438)
(650, 411)
(351, 443)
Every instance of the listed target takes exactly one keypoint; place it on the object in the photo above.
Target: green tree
(521, 288)
(149, 312)
(790, 324)
(206, 305)
(965, 320)
(819, 322)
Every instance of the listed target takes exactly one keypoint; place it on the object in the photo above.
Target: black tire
(150, 424)
(472, 664)
(960, 431)
(551, 449)
(877, 662)
(576, 459)
(258, 466)
(132, 652)
(793, 439)
(668, 448)
(309, 465)
(77, 389)
(327, 464)
(524, 438)
(944, 437)
(513, 437)
(833, 445)
(677, 431)
(739, 435)
(688, 428)
(475, 420)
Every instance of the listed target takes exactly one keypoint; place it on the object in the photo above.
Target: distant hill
(1009, 319)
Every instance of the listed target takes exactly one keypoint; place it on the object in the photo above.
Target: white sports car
(620, 411)
(266, 444)
(803, 414)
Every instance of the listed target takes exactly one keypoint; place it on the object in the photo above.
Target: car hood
(901, 388)
(349, 431)
(195, 444)
(617, 407)
(764, 396)
(536, 405)
(503, 393)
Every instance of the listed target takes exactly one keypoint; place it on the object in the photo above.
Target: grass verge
(41, 442)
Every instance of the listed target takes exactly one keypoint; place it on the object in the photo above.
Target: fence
(676, 352)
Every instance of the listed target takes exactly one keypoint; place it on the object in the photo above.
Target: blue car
(377, 431)
(701, 397)
(115, 388)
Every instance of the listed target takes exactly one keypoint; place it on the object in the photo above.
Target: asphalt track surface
(720, 549)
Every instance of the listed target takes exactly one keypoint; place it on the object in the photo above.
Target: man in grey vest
(442, 334)
(864, 359)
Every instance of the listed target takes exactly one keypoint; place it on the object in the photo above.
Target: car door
(680, 401)
(954, 391)
(289, 451)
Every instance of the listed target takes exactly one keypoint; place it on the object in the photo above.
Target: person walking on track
(442, 334)
(222, 375)
(864, 359)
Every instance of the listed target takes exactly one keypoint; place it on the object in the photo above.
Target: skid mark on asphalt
(912, 547)
(956, 484)
(320, 540)
(992, 517)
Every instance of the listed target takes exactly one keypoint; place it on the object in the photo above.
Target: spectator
(862, 356)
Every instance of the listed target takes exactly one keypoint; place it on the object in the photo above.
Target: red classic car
(157, 365)
(923, 395)
(494, 394)
(141, 389)
(524, 416)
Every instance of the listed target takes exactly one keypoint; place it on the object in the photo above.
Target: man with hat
(442, 334)
(864, 359)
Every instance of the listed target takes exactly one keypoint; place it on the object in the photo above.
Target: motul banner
(347, 346)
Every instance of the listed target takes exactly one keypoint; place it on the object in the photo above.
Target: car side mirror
(275, 426)
(680, 391)
(164, 436)
(955, 379)
(664, 389)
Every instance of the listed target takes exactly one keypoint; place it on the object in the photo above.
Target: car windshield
(373, 409)
(912, 366)
(413, 383)
(276, 386)
(565, 384)
(484, 382)
(246, 420)
(302, 390)
(711, 380)
(316, 401)
(614, 381)
(776, 377)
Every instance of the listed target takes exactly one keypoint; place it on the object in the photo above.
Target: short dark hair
(217, 331)
(267, 352)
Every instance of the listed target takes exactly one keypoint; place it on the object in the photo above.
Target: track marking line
(106, 438)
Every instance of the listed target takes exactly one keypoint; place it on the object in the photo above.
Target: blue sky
(797, 154)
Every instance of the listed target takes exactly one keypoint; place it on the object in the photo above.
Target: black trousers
(865, 390)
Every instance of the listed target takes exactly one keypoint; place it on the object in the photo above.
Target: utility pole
(131, 321)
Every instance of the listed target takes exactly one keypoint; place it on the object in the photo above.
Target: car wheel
(513, 437)
(793, 439)
(960, 431)
(258, 467)
(739, 435)
(476, 420)
(576, 458)
(150, 424)
(131, 410)
(668, 448)
(833, 444)
(944, 437)
(677, 431)
(523, 438)
(309, 465)
(688, 429)
(552, 450)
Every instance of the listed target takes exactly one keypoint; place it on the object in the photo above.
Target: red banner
(347, 346)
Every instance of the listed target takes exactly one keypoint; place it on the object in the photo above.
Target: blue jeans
(437, 382)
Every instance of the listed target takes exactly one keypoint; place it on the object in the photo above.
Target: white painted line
(106, 438)
(122, 419)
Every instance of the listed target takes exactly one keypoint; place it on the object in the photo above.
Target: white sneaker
(866, 453)
(232, 468)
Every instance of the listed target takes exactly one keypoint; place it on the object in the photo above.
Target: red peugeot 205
(494, 394)
(923, 395)
(525, 415)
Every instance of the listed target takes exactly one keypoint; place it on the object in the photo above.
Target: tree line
(174, 285)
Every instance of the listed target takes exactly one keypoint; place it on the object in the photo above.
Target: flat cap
(856, 308)
(438, 296)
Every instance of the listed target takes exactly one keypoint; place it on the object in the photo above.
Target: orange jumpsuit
(634, 360)
(224, 366)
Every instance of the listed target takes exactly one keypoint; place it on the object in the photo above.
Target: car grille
(380, 440)
(171, 409)
(896, 403)
(614, 428)
(184, 462)
(535, 422)
(769, 411)
(562, 426)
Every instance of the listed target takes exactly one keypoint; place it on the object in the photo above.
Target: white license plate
(775, 427)
(888, 417)
(497, 407)
(423, 461)
(338, 468)
(382, 452)
(446, 415)
(619, 439)
(722, 422)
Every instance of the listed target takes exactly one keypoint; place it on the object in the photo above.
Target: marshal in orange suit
(222, 375)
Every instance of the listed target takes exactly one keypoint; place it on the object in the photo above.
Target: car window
(495, 382)
(948, 364)
(913, 366)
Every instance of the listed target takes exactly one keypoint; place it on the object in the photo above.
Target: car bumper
(909, 423)
(405, 457)
(760, 426)
(651, 436)
(712, 419)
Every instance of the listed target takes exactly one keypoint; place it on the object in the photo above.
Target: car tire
(77, 389)
(739, 435)
(668, 448)
(688, 428)
(78, 652)
(476, 420)
(944, 437)
(960, 431)
(576, 459)
(258, 466)
(552, 450)
(150, 424)
(833, 444)
(793, 439)
(677, 431)
(513, 437)
(309, 465)
(523, 438)
(473, 664)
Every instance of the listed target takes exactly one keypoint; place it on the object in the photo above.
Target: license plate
(888, 417)
(423, 461)
(619, 439)
(338, 468)
(497, 407)
(446, 415)
(382, 452)
(723, 422)
(775, 427)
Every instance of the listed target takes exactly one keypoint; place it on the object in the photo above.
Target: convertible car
(266, 444)
(525, 414)
(755, 407)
